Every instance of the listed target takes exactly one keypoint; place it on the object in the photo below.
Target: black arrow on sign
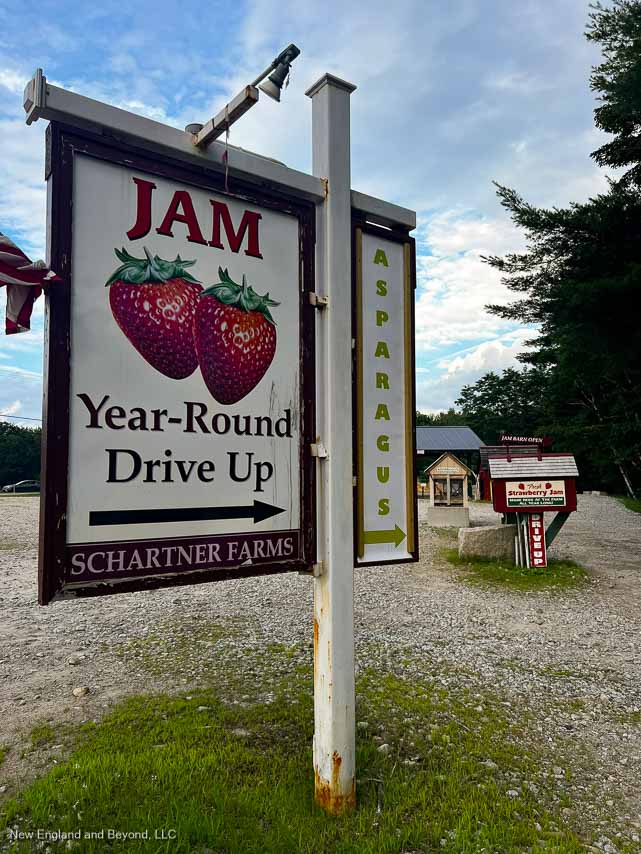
(259, 511)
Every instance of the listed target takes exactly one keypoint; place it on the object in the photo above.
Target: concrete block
(448, 517)
(493, 541)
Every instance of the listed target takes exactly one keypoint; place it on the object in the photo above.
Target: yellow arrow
(395, 536)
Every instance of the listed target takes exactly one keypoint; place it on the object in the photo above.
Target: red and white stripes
(24, 280)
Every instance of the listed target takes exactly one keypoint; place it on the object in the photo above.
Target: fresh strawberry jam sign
(179, 367)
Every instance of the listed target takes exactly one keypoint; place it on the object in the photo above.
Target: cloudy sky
(450, 97)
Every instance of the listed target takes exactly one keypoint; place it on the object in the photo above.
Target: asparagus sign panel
(385, 497)
(184, 411)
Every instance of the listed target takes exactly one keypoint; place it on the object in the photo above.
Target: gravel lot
(570, 658)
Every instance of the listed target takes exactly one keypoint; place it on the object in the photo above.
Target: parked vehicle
(23, 486)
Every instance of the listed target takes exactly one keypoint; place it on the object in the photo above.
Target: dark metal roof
(447, 439)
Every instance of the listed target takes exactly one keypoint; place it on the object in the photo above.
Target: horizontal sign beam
(42, 100)
(383, 213)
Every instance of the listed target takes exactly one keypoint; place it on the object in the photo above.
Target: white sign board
(185, 398)
(385, 517)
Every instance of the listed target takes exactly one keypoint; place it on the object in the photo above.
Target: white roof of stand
(550, 465)
(448, 464)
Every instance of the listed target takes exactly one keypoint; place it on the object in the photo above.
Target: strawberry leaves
(151, 269)
(242, 296)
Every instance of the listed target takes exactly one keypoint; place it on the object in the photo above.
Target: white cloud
(12, 80)
(493, 355)
(23, 387)
(513, 80)
(23, 342)
(10, 409)
(23, 193)
(454, 284)
(439, 391)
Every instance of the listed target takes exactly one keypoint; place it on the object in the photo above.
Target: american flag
(24, 280)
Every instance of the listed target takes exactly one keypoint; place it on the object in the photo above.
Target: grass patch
(562, 673)
(42, 735)
(174, 646)
(3, 753)
(457, 777)
(633, 504)
(558, 573)
(628, 717)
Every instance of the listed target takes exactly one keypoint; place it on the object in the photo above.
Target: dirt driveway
(571, 658)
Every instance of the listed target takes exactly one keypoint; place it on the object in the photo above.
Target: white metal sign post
(334, 716)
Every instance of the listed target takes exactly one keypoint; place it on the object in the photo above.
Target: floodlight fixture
(281, 65)
(278, 72)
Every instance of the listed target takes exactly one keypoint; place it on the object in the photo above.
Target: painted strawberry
(154, 303)
(235, 338)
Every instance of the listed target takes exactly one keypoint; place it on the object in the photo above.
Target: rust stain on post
(315, 648)
(328, 795)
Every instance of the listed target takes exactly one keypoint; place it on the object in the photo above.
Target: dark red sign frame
(499, 497)
(62, 145)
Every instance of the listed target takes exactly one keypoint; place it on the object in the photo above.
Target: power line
(18, 417)
(31, 375)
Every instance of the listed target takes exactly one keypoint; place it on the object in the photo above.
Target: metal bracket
(317, 301)
(316, 571)
(325, 183)
(555, 526)
(317, 449)
(35, 96)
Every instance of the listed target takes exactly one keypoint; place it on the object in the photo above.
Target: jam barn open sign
(385, 502)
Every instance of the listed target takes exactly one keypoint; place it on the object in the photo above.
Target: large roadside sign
(385, 511)
(180, 374)
(190, 435)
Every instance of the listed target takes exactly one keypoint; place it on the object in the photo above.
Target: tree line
(579, 284)
(19, 453)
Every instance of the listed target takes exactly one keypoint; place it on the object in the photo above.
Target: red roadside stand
(526, 487)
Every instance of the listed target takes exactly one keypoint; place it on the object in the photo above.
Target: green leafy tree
(579, 279)
(19, 453)
(451, 418)
(617, 80)
(510, 402)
